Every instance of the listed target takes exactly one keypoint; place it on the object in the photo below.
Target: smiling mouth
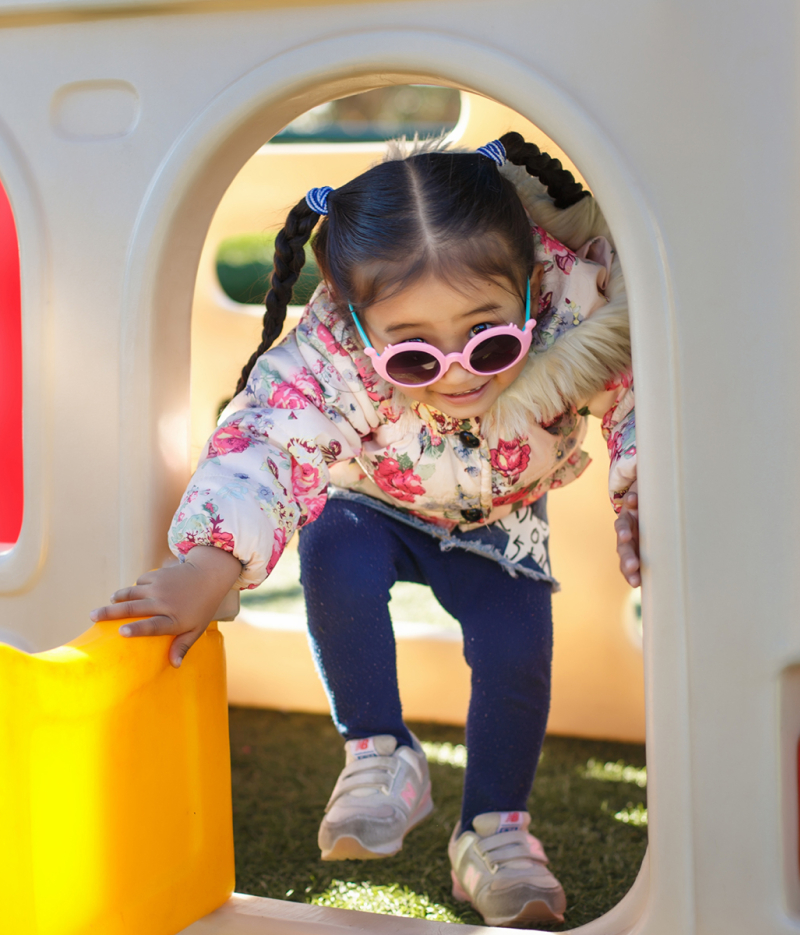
(466, 393)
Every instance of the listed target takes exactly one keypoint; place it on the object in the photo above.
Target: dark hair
(433, 212)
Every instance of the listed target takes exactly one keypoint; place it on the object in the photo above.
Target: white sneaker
(501, 869)
(381, 794)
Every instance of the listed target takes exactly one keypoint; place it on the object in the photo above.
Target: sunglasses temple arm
(527, 303)
(364, 337)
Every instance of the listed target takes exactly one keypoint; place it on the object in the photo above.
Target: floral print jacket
(315, 412)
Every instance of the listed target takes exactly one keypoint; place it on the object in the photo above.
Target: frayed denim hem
(450, 540)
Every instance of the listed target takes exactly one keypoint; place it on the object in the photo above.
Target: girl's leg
(349, 559)
(508, 640)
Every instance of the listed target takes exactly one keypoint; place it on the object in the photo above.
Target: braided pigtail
(560, 183)
(289, 259)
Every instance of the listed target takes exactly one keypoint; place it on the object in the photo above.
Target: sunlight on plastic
(616, 772)
(446, 754)
(393, 899)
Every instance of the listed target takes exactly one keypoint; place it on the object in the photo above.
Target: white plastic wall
(122, 123)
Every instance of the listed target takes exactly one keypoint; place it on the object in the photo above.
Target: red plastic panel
(11, 493)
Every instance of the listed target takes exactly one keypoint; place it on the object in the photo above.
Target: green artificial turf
(588, 807)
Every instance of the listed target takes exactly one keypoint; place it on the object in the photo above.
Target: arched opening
(208, 165)
(10, 379)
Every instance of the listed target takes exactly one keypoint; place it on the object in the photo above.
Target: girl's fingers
(182, 644)
(118, 611)
(128, 594)
(626, 527)
(634, 578)
(151, 626)
(628, 561)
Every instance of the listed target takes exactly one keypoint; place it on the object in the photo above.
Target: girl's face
(436, 312)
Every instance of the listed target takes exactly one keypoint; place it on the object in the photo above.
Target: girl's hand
(627, 527)
(177, 599)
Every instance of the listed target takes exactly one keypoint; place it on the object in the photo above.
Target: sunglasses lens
(412, 367)
(495, 353)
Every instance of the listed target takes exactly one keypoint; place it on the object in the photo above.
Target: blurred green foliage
(244, 268)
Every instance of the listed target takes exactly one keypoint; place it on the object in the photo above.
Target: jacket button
(468, 440)
(472, 516)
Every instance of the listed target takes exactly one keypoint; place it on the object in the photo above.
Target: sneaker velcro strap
(376, 772)
(506, 845)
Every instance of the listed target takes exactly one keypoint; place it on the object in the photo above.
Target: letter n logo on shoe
(408, 795)
(364, 748)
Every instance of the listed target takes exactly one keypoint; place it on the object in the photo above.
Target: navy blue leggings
(349, 558)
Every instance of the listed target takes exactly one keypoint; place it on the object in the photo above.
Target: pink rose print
(401, 484)
(526, 496)
(510, 458)
(315, 505)
(228, 439)
(621, 380)
(615, 445)
(305, 478)
(277, 548)
(565, 262)
(222, 540)
(332, 346)
(374, 385)
(286, 396)
(549, 243)
(510, 497)
(213, 536)
(308, 386)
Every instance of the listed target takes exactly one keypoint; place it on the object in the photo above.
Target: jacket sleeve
(615, 406)
(264, 471)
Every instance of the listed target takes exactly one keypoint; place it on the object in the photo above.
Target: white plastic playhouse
(122, 125)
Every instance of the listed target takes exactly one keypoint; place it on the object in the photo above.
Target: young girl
(472, 314)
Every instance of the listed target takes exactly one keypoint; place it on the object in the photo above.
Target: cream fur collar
(580, 363)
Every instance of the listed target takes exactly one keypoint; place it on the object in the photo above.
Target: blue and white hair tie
(317, 199)
(495, 151)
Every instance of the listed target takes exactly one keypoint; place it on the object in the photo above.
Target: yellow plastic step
(115, 795)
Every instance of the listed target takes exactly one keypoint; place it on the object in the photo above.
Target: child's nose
(455, 378)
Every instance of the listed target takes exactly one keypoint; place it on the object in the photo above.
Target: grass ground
(588, 808)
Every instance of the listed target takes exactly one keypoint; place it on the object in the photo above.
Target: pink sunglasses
(417, 363)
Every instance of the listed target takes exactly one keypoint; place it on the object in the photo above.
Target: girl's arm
(264, 472)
